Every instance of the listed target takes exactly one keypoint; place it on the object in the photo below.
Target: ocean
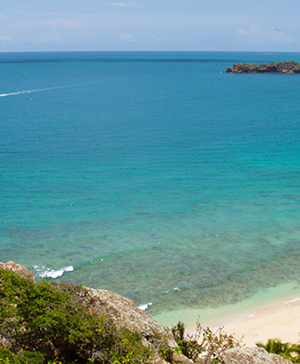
(152, 174)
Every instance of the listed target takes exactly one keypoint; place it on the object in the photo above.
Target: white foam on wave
(293, 300)
(52, 273)
(145, 306)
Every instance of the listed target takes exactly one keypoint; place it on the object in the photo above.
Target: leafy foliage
(286, 350)
(54, 323)
(205, 343)
(189, 346)
(55, 320)
(27, 357)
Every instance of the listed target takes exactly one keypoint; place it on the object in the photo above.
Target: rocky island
(278, 67)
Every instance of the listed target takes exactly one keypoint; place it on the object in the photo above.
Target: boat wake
(31, 91)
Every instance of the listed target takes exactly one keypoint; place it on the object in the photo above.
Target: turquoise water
(151, 174)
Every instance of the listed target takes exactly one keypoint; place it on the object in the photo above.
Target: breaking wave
(52, 273)
(145, 306)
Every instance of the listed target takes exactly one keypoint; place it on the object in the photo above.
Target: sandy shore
(278, 320)
(270, 313)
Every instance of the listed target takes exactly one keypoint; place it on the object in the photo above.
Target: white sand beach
(280, 320)
(270, 313)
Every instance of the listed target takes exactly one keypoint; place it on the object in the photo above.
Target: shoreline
(272, 313)
(278, 320)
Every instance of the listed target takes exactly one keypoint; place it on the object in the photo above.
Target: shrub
(205, 343)
(286, 350)
(27, 357)
(189, 346)
(55, 320)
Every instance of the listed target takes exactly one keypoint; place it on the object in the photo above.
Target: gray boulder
(126, 314)
(251, 355)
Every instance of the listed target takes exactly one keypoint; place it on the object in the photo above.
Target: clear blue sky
(196, 25)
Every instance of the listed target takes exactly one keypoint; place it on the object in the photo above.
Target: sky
(149, 25)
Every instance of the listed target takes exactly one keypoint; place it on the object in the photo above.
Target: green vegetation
(55, 321)
(205, 343)
(286, 350)
(27, 357)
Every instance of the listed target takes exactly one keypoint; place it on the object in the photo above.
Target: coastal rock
(127, 315)
(17, 268)
(278, 67)
(251, 355)
(124, 313)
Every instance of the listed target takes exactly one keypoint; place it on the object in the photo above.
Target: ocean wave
(52, 273)
(145, 306)
(293, 300)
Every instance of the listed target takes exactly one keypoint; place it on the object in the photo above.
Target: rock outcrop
(251, 355)
(17, 268)
(127, 315)
(278, 67)
(124, 313)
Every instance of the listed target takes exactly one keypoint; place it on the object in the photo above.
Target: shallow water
(153, 175)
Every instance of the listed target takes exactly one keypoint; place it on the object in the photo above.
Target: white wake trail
(32, 91)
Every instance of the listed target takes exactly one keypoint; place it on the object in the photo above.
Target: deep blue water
(152, 174)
